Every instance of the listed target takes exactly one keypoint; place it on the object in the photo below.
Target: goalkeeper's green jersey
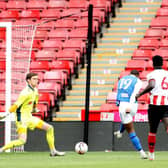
(25, 103)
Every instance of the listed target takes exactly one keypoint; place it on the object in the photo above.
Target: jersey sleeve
(21, 99)
(137, 88)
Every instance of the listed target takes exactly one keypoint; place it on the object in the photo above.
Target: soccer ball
(81, 148)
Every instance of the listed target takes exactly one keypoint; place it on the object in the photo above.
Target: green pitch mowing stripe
(88, 160)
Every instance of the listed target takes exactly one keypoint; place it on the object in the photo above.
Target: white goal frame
(8, 26)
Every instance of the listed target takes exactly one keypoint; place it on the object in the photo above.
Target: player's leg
(50, 137)
(22, 138)
(119, 133)
(127, 120)
(165, 118)
(154, 119)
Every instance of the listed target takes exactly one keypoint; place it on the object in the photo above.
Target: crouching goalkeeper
(23, 107)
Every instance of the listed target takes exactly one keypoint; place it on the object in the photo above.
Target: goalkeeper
(23, 108)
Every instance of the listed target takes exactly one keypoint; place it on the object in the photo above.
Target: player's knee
(22, 141)
(50, 128)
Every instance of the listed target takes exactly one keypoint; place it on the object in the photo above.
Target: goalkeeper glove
(13, 108)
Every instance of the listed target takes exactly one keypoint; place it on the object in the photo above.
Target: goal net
(18, 49)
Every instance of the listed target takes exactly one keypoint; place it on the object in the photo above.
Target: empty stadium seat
(54, 45)
(139, 65)
(44, 98)
(2, 66)
(163, 44)
(38, 66)
(162, 12)
(34, 4)
(143, 75)
(45, 55)
(82, 4)
(16, 5)
(159, 22)
(30, 14)
(154, 34)
(41, 35)
(60, 4)
(164, 3)
(2, 5)
(58, 34)
(150, 44)
(50, 14)
(142, 54)
(64, 24)
(78, 34)
(9, 15)
(106, 107)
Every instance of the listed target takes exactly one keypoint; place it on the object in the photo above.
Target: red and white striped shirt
(159, 94)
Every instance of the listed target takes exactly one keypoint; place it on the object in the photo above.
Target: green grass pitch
(88, 160)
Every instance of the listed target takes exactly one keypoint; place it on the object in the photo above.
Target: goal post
(8, 27)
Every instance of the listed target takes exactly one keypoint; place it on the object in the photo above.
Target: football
(81, 148)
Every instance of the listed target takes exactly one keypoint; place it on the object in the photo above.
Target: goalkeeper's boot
(151, 156)
(118, 134)
(57, 153)
(143, 155)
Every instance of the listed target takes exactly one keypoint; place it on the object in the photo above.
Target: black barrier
(101, 138)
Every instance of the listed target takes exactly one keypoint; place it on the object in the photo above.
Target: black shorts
(155, 114)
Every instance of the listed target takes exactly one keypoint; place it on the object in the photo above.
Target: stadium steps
(110, 57)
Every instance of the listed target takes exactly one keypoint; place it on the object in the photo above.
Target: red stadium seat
(2, 35)
(10, 15)
(154, 34)
(30, 14)
(75, 44)
(34, 4)
(53, 45)
(162, 12)
(45, 55)
(45, 26)
(2, 56)
(50, 14)
(83, 23)
(159, 22)
(65, 67)
(2, 66)
(38, 66)
(54, 76)
(2, 99)
(78, 34)
(44, 98)
(41, 35)
(68, 55)
(71, 13)
(82, 4)
(164, 3)
(16, 5)
(108, 107)
(52, 88)
(60, 4)
(111, 97)
(166, 33)
(142, 54)
(58, 34)
(3, 5)
(139, 65)
(2, 108)
(149, 44)
(64, 24)
(101, 4)
(163, 44)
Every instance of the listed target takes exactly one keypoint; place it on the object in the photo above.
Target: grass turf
(88, 160)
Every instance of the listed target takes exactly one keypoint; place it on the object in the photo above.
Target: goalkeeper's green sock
(14, 143)
(50, 139)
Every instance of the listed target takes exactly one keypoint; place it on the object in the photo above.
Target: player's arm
(149, 87)
(22, 97)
